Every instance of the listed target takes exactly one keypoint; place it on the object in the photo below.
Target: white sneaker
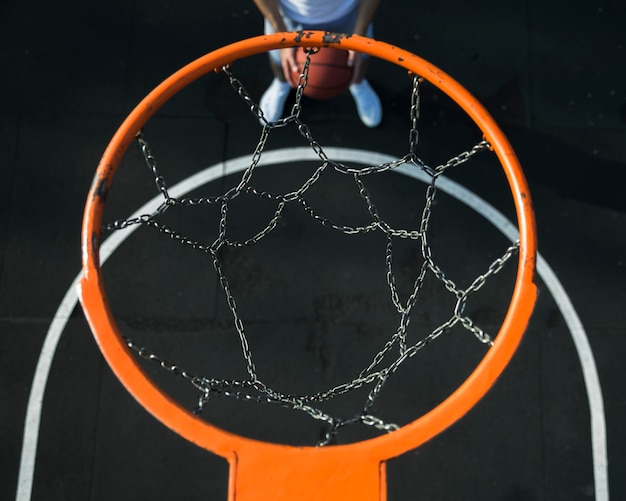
(273, 100)
(367, 103)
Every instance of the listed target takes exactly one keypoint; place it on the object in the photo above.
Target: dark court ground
(551, 73)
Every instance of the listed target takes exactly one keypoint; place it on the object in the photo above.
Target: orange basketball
(329, 73)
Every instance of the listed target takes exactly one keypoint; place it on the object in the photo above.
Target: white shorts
(345, 24)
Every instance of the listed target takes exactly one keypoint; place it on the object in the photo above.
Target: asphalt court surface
(551, 74)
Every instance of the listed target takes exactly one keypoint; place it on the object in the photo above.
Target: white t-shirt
(316, 11)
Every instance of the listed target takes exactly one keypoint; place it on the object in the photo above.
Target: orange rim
(129, 371)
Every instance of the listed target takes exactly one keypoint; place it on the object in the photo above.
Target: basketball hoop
(261, 470)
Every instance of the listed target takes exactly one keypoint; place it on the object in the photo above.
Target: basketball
(329, 73)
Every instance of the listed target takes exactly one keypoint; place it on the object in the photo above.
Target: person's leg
(273, 100)
(277, 70)
(367, 102)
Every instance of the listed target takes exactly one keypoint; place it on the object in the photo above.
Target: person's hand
(354, 62)
(288, 63)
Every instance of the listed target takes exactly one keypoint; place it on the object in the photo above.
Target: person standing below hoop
(341, 16)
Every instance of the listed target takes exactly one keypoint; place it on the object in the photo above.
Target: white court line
(62, 315)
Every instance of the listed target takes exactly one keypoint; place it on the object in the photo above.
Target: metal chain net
(397, 349)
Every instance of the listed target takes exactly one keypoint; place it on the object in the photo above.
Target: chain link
(397, 349)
